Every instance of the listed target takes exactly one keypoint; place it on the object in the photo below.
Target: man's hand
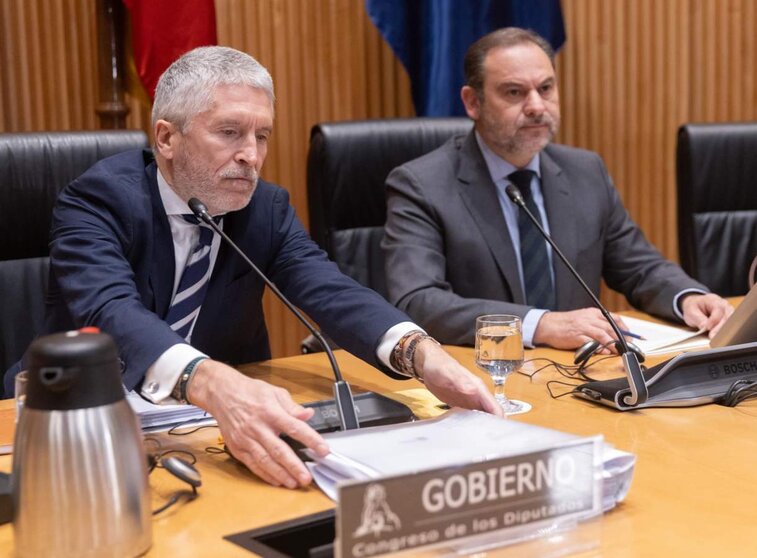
(705, 311)
(570, 330)
(448, 380)
(251, 414)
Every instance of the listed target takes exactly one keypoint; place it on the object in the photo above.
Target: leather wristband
(180, 389)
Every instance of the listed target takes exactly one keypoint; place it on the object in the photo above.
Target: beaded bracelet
(402, 357)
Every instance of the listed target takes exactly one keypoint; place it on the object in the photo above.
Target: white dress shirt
(163, 374)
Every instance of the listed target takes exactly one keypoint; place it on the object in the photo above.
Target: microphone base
(345, 406)
(689, 379)
(372, 410)
(636, 380)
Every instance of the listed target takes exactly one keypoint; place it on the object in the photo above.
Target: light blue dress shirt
(499, 169)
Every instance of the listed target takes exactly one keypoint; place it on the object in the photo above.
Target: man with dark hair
(457, 247)
(128, 256)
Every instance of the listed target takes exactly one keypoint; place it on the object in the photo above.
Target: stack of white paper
(661, 339)
(617, 472)
(156, 418)
(457, 437)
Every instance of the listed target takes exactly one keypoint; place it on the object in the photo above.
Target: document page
(458, 437)
(661, 339)
(158, 418)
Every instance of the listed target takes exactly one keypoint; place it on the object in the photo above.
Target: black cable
(550, 363)
(740, 391)
(173, 430)
(570, 371)
(561, 383)
(155, 461)
(175, 498)
(216, 450)
(573, 372)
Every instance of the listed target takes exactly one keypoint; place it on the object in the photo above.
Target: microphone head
(182, 469)
(514, 194)
(585, 352)
(198, 208)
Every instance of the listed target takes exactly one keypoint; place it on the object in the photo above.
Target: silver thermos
(79, 468)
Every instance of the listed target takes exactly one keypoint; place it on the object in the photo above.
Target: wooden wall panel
(48, 65)
(631, 72)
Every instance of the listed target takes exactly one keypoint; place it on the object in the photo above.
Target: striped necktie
(187, 302)
(537, 278)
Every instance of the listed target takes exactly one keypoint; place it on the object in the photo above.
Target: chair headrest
(713, 155)
(34, 167)
(348, 163)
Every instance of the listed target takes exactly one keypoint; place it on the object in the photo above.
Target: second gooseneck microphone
(639, 391)
(342, 393)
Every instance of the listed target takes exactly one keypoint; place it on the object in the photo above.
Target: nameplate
(508, 495)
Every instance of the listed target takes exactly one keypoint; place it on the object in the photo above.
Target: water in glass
(499, 351)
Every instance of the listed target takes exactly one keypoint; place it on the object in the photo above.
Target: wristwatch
(179, 391)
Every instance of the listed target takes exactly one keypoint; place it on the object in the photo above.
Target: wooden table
(694, 491)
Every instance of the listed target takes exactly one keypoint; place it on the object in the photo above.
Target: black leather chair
(34, 167)
(348, 163)
(717, 203)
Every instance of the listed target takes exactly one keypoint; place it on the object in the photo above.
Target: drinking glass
(499, 352)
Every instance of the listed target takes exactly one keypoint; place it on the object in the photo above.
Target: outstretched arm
(252, 415)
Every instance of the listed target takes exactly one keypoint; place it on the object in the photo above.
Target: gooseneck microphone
(342, 393)
(639, 391)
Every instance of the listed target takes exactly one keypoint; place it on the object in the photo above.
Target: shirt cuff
(390, 340)
(529, 325)
(677, 307)
(162, 376)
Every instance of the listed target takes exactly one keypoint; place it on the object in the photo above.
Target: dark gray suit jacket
(449, 256)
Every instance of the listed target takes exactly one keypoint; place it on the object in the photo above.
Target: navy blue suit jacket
(112, 266)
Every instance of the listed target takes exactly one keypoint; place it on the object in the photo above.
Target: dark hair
(501, 38)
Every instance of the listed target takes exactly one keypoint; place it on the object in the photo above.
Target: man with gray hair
(128, 256)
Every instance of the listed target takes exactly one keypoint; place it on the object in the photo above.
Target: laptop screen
(741, 327)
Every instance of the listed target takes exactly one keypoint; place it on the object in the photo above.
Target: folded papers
(157, 418)
(661, 339)
(456, 438)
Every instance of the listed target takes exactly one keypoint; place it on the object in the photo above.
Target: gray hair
(186, 88)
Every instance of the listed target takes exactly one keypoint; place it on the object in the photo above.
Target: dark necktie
(187, 302)
(537, 277)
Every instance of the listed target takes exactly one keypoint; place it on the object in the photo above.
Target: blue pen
(631, 334)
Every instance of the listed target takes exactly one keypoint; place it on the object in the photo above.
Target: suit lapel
(562, 226)
(162, 266)
(479, 195)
